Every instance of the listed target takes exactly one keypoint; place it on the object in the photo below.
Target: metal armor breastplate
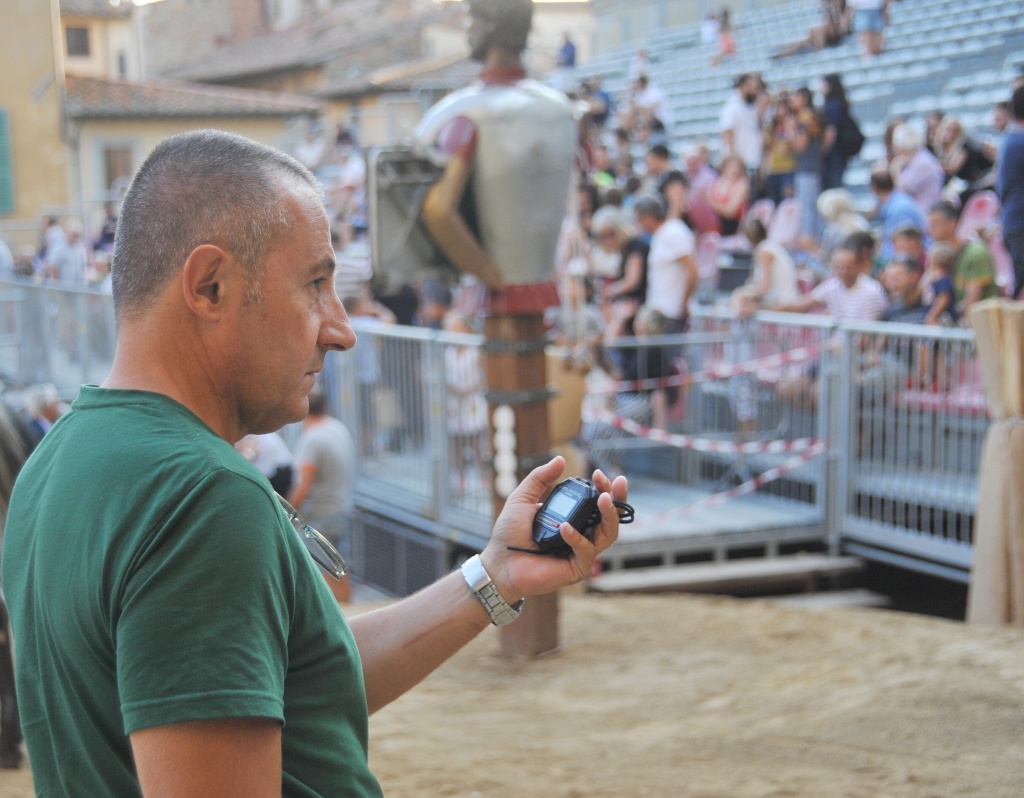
(526, 139)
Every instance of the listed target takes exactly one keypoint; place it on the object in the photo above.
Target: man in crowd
(974, 278)
(739, 123)
(896, 209)
(671, 268)
(1010, 186)
(189, 647)
(325, 491)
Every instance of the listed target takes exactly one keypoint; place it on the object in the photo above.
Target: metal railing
(871, 431)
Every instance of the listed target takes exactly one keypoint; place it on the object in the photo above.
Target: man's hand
(517, 574)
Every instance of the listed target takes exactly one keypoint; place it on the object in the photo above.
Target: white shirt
(666, 277)
(655, 100)
(783, 288)
(865, 301)
(741, 118)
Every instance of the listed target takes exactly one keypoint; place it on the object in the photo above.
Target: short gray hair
(907, 138)
(200, 187)
(650, 205)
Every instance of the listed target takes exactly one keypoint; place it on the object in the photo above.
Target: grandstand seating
(956, 55)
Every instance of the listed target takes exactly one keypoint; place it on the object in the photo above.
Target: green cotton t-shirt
(153, 579)
(975, 266)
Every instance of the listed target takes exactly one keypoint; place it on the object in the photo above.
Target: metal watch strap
(483, 588)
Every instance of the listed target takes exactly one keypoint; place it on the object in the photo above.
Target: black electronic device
(573, 501)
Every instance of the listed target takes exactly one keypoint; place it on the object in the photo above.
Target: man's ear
(208, 280)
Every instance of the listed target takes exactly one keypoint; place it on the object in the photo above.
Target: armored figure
(506, 147)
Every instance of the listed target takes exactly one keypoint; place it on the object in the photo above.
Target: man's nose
(336, 331)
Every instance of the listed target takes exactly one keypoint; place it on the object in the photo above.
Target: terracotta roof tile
(94, 98)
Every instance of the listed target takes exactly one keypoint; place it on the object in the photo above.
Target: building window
(117, 166)
(78, 41)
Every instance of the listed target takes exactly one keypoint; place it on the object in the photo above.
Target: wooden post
(515, 368)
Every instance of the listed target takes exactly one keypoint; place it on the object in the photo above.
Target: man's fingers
(538, 481)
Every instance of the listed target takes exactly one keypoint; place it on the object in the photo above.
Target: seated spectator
(864, 244)
(909, 240)
(729, 194)
(841, 220)
(830, 31)
(939, 293)
(915, 169)
(895, 209)
(974, 276)
(773, 279)
(848, 295)
(651, 103)
(698, 172)
(726, 39)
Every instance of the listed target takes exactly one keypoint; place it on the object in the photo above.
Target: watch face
(562, 504)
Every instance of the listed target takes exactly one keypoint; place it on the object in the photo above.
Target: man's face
(908, 245)
(1000, 119)
(941, 228)
(655, 165)
(647, 222)
(750, 88)
(900, 279)
(845, 266)
(279, 342)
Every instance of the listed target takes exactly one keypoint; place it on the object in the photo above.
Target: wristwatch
(483, 588)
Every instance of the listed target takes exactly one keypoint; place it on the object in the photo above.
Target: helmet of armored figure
(499, 23)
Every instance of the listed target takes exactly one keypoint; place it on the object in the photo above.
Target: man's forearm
(403, 643)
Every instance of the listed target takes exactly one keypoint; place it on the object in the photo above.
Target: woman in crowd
(837, 116)
(780, 163)
(615, 235)
(962, 157)
(807, 148)
(730, 193)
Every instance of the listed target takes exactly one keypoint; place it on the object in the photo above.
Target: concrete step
(798, 571)
(833, 600)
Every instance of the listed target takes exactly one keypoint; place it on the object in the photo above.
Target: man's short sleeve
(678, 241)
(203, 617)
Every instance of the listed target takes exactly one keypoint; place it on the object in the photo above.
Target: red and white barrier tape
(740, 490)
(721, 372)
(701, 444)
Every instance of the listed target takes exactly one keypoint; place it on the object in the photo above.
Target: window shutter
(6, 166)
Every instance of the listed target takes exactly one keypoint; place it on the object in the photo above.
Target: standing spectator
(651, 103)
(696, 169)
(671, 268)
(639, 66)
(896, 209)
(729, 195)
(1010, 187)
(68, 260)
(661, 178)
(915, 169)
(108, 229)
(325, 461)
(44, 408)
(836, 117)
(932, 120)
(780, 163)
(807, 148)
(270, 454)
(974, 277)
(962, 157)
(613, 234)
(467, 408)
(565, 64)
(869, 19)
(739, 123)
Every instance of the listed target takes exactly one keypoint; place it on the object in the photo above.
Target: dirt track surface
(694, 697)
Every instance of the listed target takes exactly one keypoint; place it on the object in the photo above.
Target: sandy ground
(713, 698)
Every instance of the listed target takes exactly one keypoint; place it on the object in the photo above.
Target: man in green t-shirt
(173, 636)
(974, 278)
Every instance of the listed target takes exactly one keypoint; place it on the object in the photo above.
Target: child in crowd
(939, 286)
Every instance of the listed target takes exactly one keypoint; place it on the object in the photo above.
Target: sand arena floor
(696, 697)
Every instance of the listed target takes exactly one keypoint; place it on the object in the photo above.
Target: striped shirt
(865, 301)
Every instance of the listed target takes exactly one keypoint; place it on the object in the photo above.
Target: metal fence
(872, 432)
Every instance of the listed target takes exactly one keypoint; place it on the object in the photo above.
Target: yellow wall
(30, 91)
